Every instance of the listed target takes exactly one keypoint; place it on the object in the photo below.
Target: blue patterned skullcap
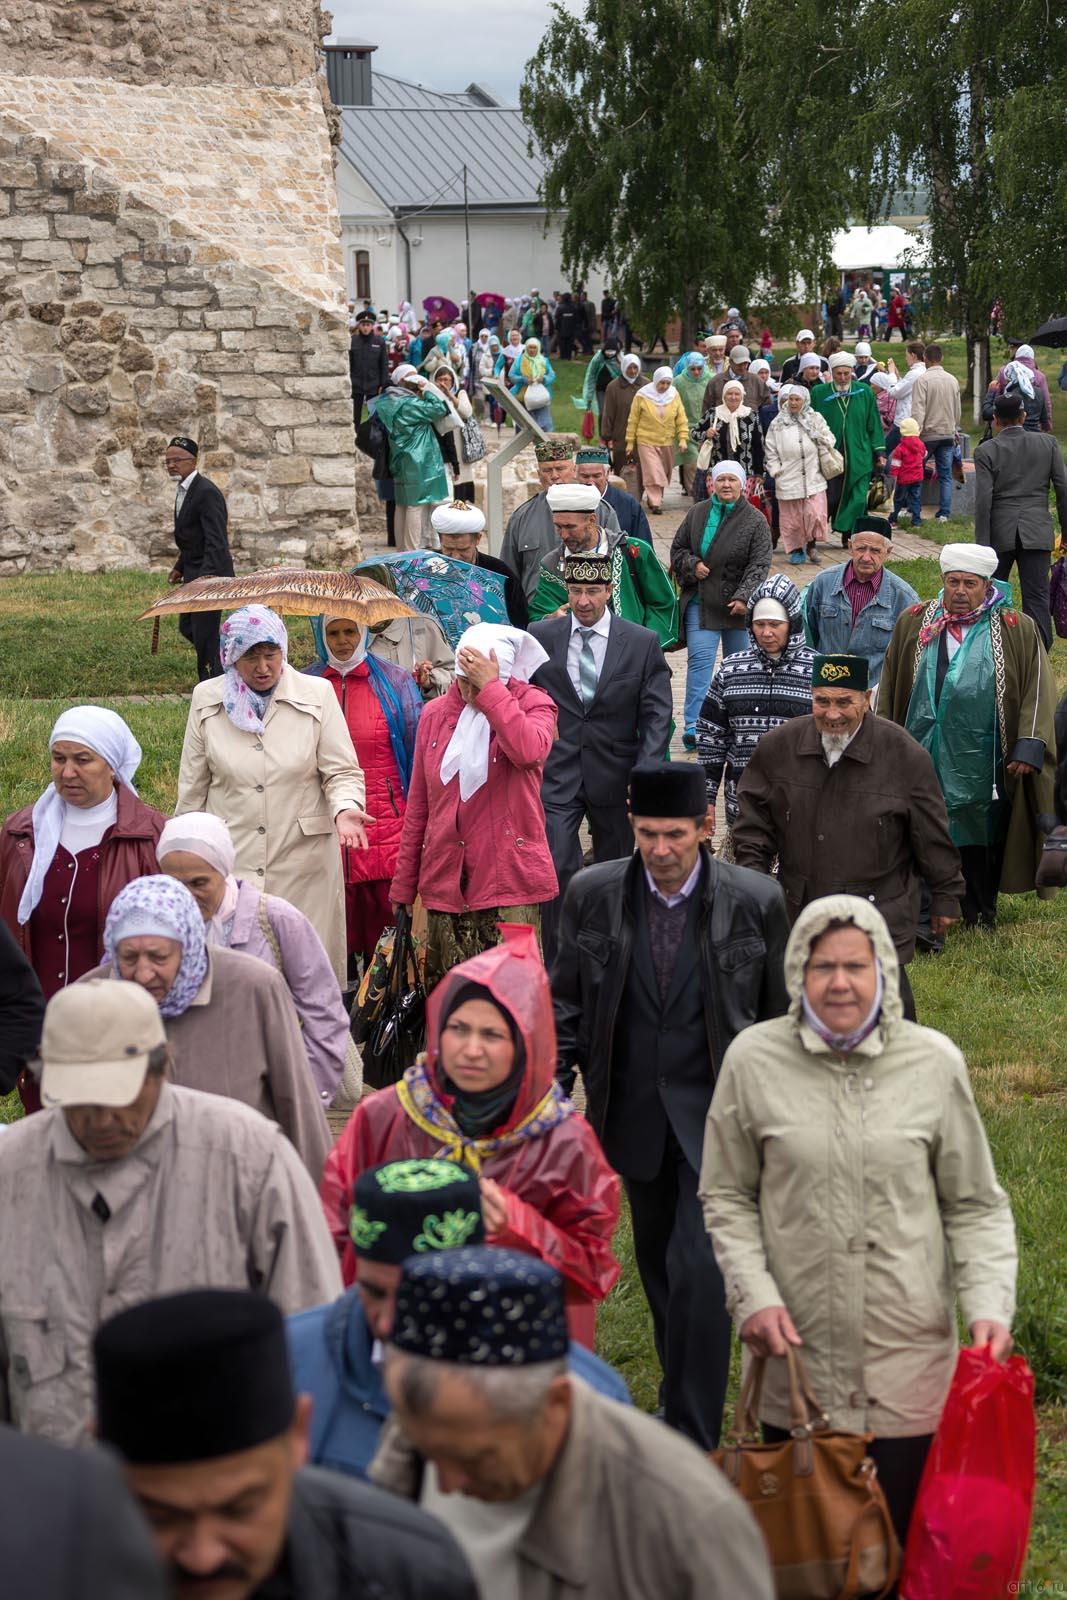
(481, 1307)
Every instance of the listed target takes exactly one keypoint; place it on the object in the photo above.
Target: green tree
(664, 171)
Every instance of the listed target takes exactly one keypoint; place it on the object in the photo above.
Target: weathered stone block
(46, 250)
(244, 436)
(288, 470)
(324, 441)
(23, 227)
(18, 174)
(90, 361)
(74, 227)
(334, 472)
(93, 203)
(87, 308)
(238, 317)
(285, 413)
(337, 387)
(112, 327)
(187, 297)
(85, 400)
(47, 311)
(247, 386)
(64, 174)
(135, 357)
(299, 501)
(276, 361)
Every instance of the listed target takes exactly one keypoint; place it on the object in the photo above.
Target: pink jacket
(490, 850)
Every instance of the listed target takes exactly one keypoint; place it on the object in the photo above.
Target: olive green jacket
(858, 1192)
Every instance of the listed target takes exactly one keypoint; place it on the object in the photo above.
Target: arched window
(362, 274)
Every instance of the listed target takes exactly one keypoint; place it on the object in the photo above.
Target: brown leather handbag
(816, 1497)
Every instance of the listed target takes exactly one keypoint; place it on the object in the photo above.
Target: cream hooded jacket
(858, 1192)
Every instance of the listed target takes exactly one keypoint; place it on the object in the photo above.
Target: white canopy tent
(886, 248)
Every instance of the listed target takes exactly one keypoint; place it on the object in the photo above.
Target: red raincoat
(562, 1197)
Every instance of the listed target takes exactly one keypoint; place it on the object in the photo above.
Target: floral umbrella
(455, 593)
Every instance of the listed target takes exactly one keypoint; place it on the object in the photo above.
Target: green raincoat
(591, 396)
(414, 454)
(856, 425)
(692, 393)
(641, 589)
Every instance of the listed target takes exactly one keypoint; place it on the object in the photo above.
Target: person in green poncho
(967, 676)
(407, 411)
(641, 588)
(690, 383)
(852, 412)
(598, 374)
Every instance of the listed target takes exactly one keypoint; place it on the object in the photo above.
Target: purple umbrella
(435, 305)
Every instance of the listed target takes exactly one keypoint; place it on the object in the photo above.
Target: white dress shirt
(598, 644)
(183, 490)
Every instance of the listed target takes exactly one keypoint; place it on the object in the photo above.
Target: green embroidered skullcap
(592, 456)
(406, 1207)
(840, 672)
(557, 447)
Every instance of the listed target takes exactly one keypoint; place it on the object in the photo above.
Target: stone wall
(170, 263)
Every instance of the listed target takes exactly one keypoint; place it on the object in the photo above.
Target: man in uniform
(530, 535)
(200, 522)
(852, 412)
(612, 690)
(849, 805)
(663, 958)
(641, 588)
(968, 677)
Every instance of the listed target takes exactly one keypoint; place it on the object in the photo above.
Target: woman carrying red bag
(850, 1195)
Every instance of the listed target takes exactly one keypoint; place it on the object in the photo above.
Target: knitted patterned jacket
(752, 693)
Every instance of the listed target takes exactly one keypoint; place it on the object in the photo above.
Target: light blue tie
(587, 673)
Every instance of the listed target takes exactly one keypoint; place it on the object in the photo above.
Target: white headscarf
(518, 655)
(650, 392)
(200, 834)
(1016, 373)
(630, 364)
(106, 735)
(805, 419)
(732, 469)
(732, 418)
(358, 654)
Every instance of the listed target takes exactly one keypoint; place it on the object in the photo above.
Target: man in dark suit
(612, 689)
(460, 526)
(1013, 473)
(662, 959)
(203, 547)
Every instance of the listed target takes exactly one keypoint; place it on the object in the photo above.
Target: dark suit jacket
(1012, 473)
(200, 532)
(629, 720)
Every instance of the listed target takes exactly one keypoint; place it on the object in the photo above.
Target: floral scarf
(164, 907)
(416, 1095)
(942, 619)
(240, 633)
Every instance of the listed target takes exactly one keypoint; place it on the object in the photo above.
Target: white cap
(769, 610)
(740, 353)
(805, 333)
(976, 558)
(96, 1041)
(573, 497)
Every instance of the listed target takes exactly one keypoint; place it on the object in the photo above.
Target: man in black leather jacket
(662, 959)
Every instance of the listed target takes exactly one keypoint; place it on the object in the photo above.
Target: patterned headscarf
(164, 907)
(240, 633)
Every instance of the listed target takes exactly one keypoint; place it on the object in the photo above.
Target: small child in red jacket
(907, 467)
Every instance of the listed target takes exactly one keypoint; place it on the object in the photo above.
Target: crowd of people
(366, 1363)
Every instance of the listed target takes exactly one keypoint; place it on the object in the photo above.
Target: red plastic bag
(971, 1524)
(588, 425)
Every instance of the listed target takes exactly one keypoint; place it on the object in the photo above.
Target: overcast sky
(447, 44)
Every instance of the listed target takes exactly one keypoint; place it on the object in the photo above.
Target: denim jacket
(828, 616)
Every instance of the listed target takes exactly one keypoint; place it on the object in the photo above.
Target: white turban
(518, 655)
(106, 735)
(769, 610)
(199, 834)
(456, 519)
(805, 333)
(976, 558)
(573, 497)
(731, 469)
(842, 358)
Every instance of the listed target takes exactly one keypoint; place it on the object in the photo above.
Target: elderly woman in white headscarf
(474, 844)
(229, 1017)
(267, 748)
(197, 850)
(732, 430)
(798, 445)
(656, 427)
(619, 397)
(1022, 377)
(65, 858)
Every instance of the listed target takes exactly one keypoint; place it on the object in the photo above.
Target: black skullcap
(587, 569)
(194, 1376)
(181, 442)
(873, 524)
(840, 672)
(1008, 407)
(407, 1207)
(481, 1307)
(668, 789)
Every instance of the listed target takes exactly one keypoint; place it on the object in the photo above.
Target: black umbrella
(1053, 333)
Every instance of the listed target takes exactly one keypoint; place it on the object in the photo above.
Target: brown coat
(619, 396)
(128, 851)
(630, 1509)
(873, 825)
(240, 1037)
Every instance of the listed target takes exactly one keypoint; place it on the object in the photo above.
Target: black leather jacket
(743, 930)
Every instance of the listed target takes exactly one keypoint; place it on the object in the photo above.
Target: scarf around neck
(716, 516)
(842, 1043)
(420, 1103)
(943, 619)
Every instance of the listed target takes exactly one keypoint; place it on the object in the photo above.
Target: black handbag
(389, 1020)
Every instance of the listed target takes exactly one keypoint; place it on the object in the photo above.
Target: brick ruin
(170, 262)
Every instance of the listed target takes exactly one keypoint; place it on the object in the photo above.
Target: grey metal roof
(413, 157)
(398, 94)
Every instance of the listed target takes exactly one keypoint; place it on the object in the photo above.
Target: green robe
(415, 457)
(962, 731)
(651, 600)
(856, 425)
(692, 393)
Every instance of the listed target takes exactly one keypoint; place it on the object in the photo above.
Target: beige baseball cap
(96, 1042)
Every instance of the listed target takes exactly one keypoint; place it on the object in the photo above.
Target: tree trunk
(690, 312)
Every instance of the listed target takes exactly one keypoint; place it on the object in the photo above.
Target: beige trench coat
(630, 1510)
(212, 1195)
(859, 1192)
(408, 640)
(279, 792)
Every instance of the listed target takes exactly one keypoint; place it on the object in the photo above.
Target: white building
(400, 190)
